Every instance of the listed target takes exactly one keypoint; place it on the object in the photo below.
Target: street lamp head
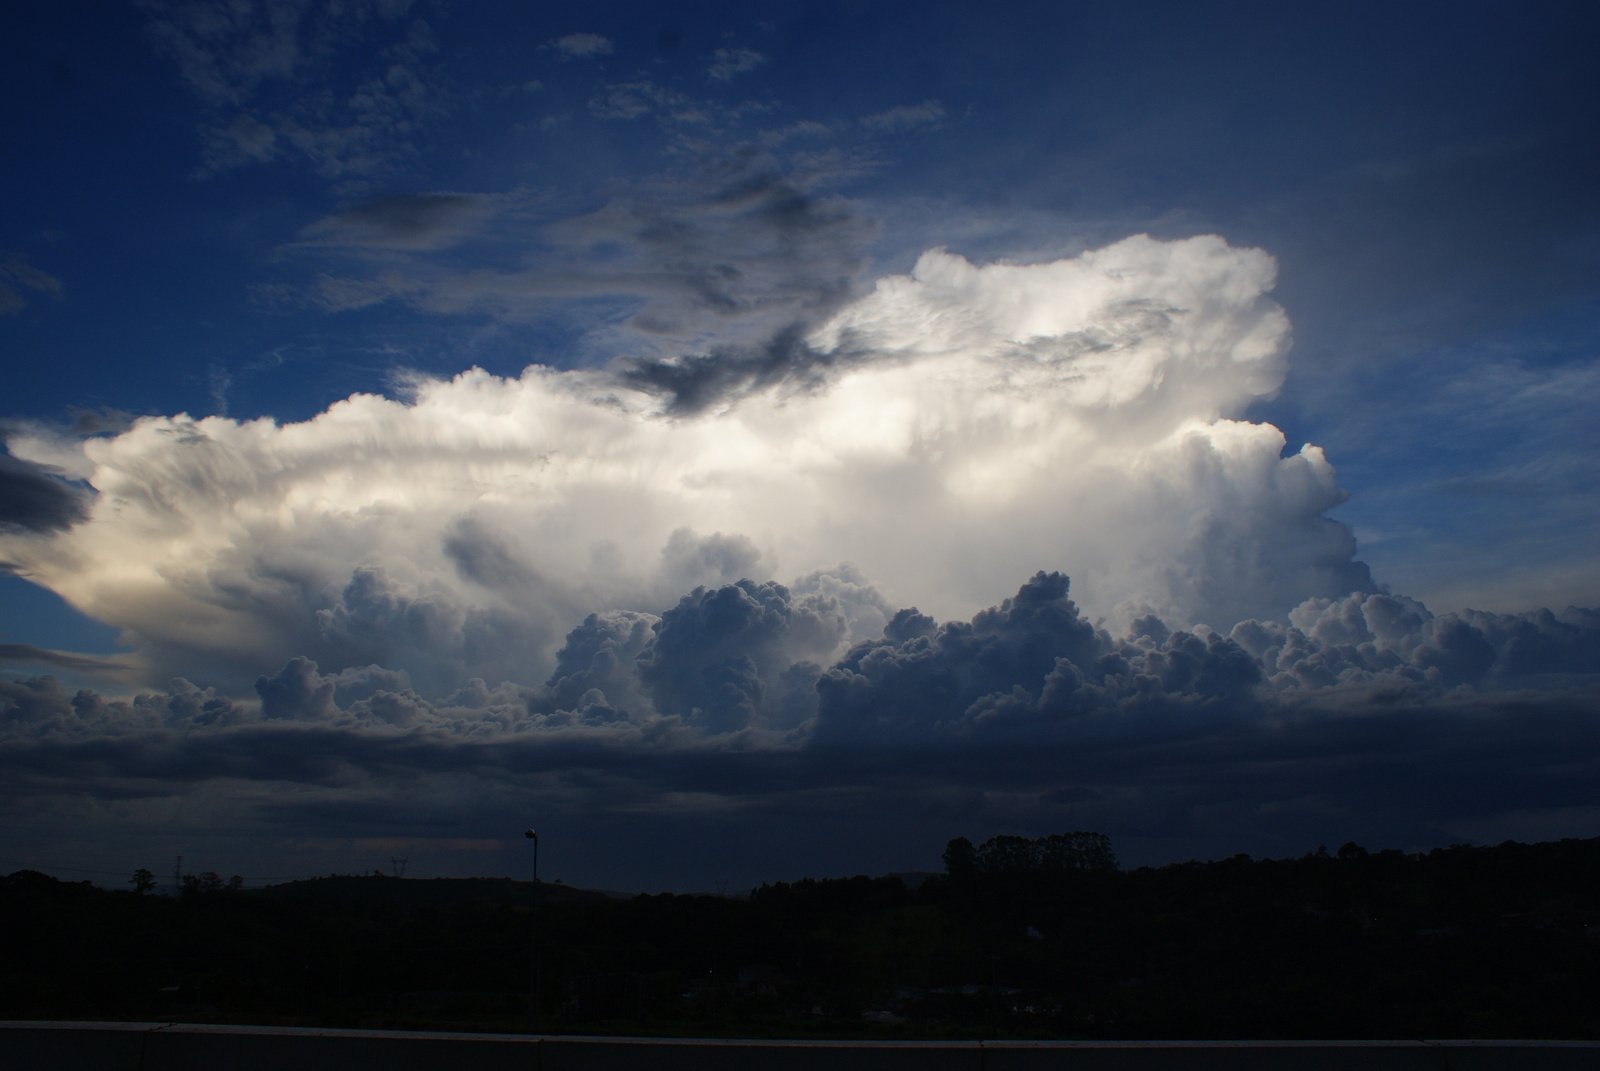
(531, 835)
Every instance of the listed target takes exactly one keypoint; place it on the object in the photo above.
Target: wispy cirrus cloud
(633, 100)
(726, 63)
(903, 117)
(368, 66)
(21, 281)
(413, 222)
(581, 45)
(100, 668)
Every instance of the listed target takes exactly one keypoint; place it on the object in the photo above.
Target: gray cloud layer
(1367, 715)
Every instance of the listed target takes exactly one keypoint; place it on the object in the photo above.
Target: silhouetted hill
(1010, 942)
(425, 892)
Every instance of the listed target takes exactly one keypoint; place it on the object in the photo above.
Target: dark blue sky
(708, 227)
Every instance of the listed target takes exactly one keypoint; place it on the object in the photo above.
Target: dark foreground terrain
(1010, 942)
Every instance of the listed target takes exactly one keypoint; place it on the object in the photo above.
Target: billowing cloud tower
(949, 432)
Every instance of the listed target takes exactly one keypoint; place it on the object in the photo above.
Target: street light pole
(534, 836)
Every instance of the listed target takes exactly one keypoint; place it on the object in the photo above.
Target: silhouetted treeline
(1017, 938)
(1028, 856)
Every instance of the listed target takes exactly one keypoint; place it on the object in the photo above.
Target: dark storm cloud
(822, 243)
(1390, 639)
(102, 421)
(736, 246)
(739, 248)
(725, 659)
(703, 381)
(741, 243)
(1413, 772)
(1364, 717)
(754, 239)
(42, 707)
(718, 657)
(1032, 661)
(1331, 752)
(32, 701)
(32, 499)
(599, 659)
(297, 692)
(377, 619)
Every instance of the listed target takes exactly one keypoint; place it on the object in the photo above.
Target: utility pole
(177, 876)
(399, 865)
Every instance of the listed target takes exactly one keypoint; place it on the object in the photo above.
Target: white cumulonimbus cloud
(962, 426)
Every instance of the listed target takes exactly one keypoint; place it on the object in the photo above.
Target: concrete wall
(25, 1046)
